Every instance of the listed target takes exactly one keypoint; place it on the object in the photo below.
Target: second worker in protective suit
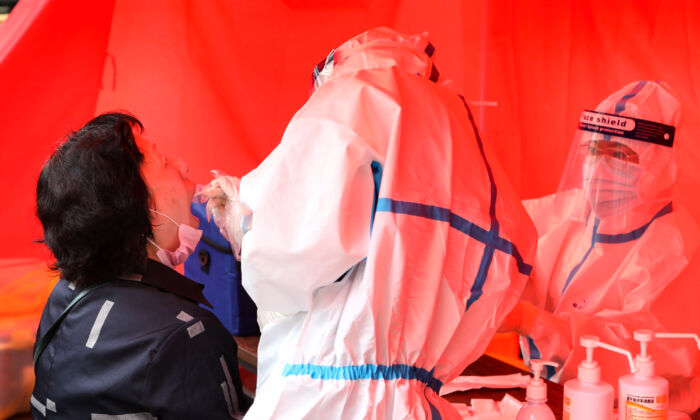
(386, 233)
(613, 249)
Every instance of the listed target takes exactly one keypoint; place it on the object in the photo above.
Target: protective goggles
(609, 148)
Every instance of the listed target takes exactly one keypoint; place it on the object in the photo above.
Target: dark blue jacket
(137, 349)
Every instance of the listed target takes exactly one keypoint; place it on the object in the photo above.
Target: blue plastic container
(212, 264)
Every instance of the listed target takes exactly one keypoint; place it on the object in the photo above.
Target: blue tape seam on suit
(490, 238)
(489, 250)
(463, 225)
(370, 371)
(622, 103)
(603, 238)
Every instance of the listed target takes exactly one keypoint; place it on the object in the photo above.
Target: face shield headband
(627, 127)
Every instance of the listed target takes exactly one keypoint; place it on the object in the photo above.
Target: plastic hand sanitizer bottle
(643, 395)
(536, 407)
(587, 397)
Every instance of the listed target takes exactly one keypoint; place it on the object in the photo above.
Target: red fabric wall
(51, 60)
(546, 61)
(215, 82)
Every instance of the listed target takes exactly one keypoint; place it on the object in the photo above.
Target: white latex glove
(224, 205)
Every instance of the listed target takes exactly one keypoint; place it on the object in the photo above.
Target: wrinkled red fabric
(216, 82)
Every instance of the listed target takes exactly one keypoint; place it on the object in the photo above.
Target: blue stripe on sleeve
(370, 371)
(414, 209)
(457, 222)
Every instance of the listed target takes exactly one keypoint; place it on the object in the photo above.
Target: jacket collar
(169, 280)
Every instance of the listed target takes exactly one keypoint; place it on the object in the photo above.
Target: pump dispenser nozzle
(536, 395)
(590, 342)
(679, 335)
(644, 361)
(589, 369)
(644, 337)
(537, 388)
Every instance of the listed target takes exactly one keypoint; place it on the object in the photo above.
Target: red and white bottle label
(638, 407)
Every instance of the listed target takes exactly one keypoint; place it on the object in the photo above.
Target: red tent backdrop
(215, 82)
(51, 60)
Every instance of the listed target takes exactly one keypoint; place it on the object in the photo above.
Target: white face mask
(611, 185)
(189, 237)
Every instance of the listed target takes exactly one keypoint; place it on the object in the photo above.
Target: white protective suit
(613, 250)
(386, 234)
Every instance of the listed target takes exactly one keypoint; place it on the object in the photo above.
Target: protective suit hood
(375, 49)
(622, 159)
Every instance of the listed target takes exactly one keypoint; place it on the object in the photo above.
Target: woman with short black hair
(133, 341)
(93, 203)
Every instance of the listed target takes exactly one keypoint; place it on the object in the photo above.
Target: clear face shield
(620, 168)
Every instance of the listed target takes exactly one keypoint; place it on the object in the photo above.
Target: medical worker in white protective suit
(613, 249)
(386, 234)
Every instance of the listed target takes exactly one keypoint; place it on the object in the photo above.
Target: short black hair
(93, 203)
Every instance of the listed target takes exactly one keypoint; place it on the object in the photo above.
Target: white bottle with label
(536, 407)
(643, 395)
(587, 397)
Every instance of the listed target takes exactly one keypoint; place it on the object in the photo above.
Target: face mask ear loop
(165, 215)
(154, 244)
